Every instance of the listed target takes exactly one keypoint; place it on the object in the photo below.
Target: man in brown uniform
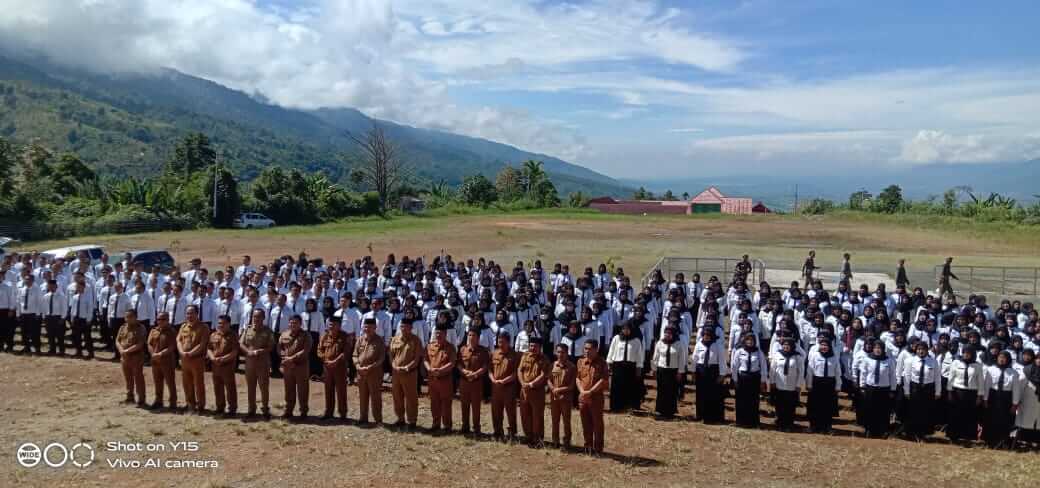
(368, 359)
(257, 342)
(223, 356)
(504, 362)
(440, 361)
(561, 394)
(192, 340)
(162, 344)
(131, 342)
(533, 374)
(473, 366)
(592, 382)
(332, 350)
(405, 355)
(294, 347)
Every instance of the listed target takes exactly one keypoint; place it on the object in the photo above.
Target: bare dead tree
(382, 167)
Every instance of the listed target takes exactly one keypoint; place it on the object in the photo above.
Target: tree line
(960, 201)
(37, 186)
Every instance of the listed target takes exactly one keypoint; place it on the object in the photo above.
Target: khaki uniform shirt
(369, 352)
(439, 355)
(290, 345)
(330, 347)
(562, 376)
(163, 338)
(132, 336)
(591, 372)
(404, 351)
(191, 336)
(261, 339)
(531, 367)
(504, 364)
(473, 358)
(221, 344)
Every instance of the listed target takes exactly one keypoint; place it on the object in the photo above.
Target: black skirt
(624, 386)
(748, 387)
(823, 404)
(786, 403)
(708, 394)
(667, 403)
(877, 405)
(920, 409)
(964, 415)
(998, 419)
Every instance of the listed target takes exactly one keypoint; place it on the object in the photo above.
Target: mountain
(128, 125)
(1015, 180)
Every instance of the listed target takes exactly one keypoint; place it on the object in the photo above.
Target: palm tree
(531, 175)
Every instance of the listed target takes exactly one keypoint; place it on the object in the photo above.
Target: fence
(38, 231)
(706, 266)
(994, 280)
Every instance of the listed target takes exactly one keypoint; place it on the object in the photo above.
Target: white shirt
(968, 376)
(177, 307)
(1003, 380)
(230, 307)
(823, 367)
(118, 304)
(671, 356)
(313, 322)
(144, 306)
(351, 320)
(742, 361)
(382, 324)
(709, 356)
(876, 373)
(207, 310)
(81, 306)
(626, 351)
(787, 373)
(922, 371)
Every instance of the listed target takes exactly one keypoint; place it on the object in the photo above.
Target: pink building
(708, 201)
(713, 201)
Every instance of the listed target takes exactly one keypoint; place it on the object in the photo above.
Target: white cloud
(933, 146)
(686, 130)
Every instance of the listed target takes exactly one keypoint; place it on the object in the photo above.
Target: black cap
(534, 340)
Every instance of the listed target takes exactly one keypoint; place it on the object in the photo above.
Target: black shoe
(287, 416)
(267, 415)
(326, 416)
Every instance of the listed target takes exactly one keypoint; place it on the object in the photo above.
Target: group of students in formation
(532, 338)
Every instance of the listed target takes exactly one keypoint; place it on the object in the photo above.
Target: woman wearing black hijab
(669, 365)
(709, 368)
(922, 387)
(625, 358)
(967, 390)
(1028, 418)
(822, 380)
(748, 366)
(877, 380)
(1001, 402)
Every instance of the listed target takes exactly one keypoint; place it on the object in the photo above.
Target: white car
(3, 242)
(71, 253)
(252, 221)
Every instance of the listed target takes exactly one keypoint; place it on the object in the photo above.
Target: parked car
(252, 221)
(3, 242)
(70, 253)
(153, 257)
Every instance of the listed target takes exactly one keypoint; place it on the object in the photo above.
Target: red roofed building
(708, 201)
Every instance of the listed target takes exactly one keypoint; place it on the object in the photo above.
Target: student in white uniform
(82, 306)
(748, 366)
(669, 364)
(143, 305)
(967, 392)
(786, 377)
(55, 309)
(876, 373)
(625, 359)
(1027, 419)
(1003, 397)
(823, 380)
(922, 386)
(708, 363)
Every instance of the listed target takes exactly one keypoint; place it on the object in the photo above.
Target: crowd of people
(528, 338)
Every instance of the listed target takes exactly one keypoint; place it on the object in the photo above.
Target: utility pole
(795, 198)
(216, 167)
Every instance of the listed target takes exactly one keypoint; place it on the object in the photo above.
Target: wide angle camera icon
(55, 455)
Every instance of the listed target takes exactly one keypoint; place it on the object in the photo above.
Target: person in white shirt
(822, 379)
(748, 369)
(669, 364)
(382, 321)
(967, 391)
(708, 363)
(177, 306)
(82, 307)
(228, 305)
(30, 313)
(143, 305)
(786, 377)
(245, 268)
(922, 386)
(574, 338)
(56, 307)
(8, 306)
(625, 358)
(313, 322)
(1027, 419)
(1001, 404)
(876, 374)
(118, 304)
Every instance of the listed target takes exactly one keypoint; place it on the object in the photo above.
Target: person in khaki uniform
(256, 343)
(440, 362)
(473, 368)
(405, 355)
(533, 374)
(592, 381)
(223, 356)
(332, 350)
(368, 359)
(504, 362)
(192, 341)
(131, 343)
(294, 347)
(162, 344)
(561, 395)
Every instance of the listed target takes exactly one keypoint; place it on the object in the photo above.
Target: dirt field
(65, 400)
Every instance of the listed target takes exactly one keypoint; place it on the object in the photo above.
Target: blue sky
(643, 89)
